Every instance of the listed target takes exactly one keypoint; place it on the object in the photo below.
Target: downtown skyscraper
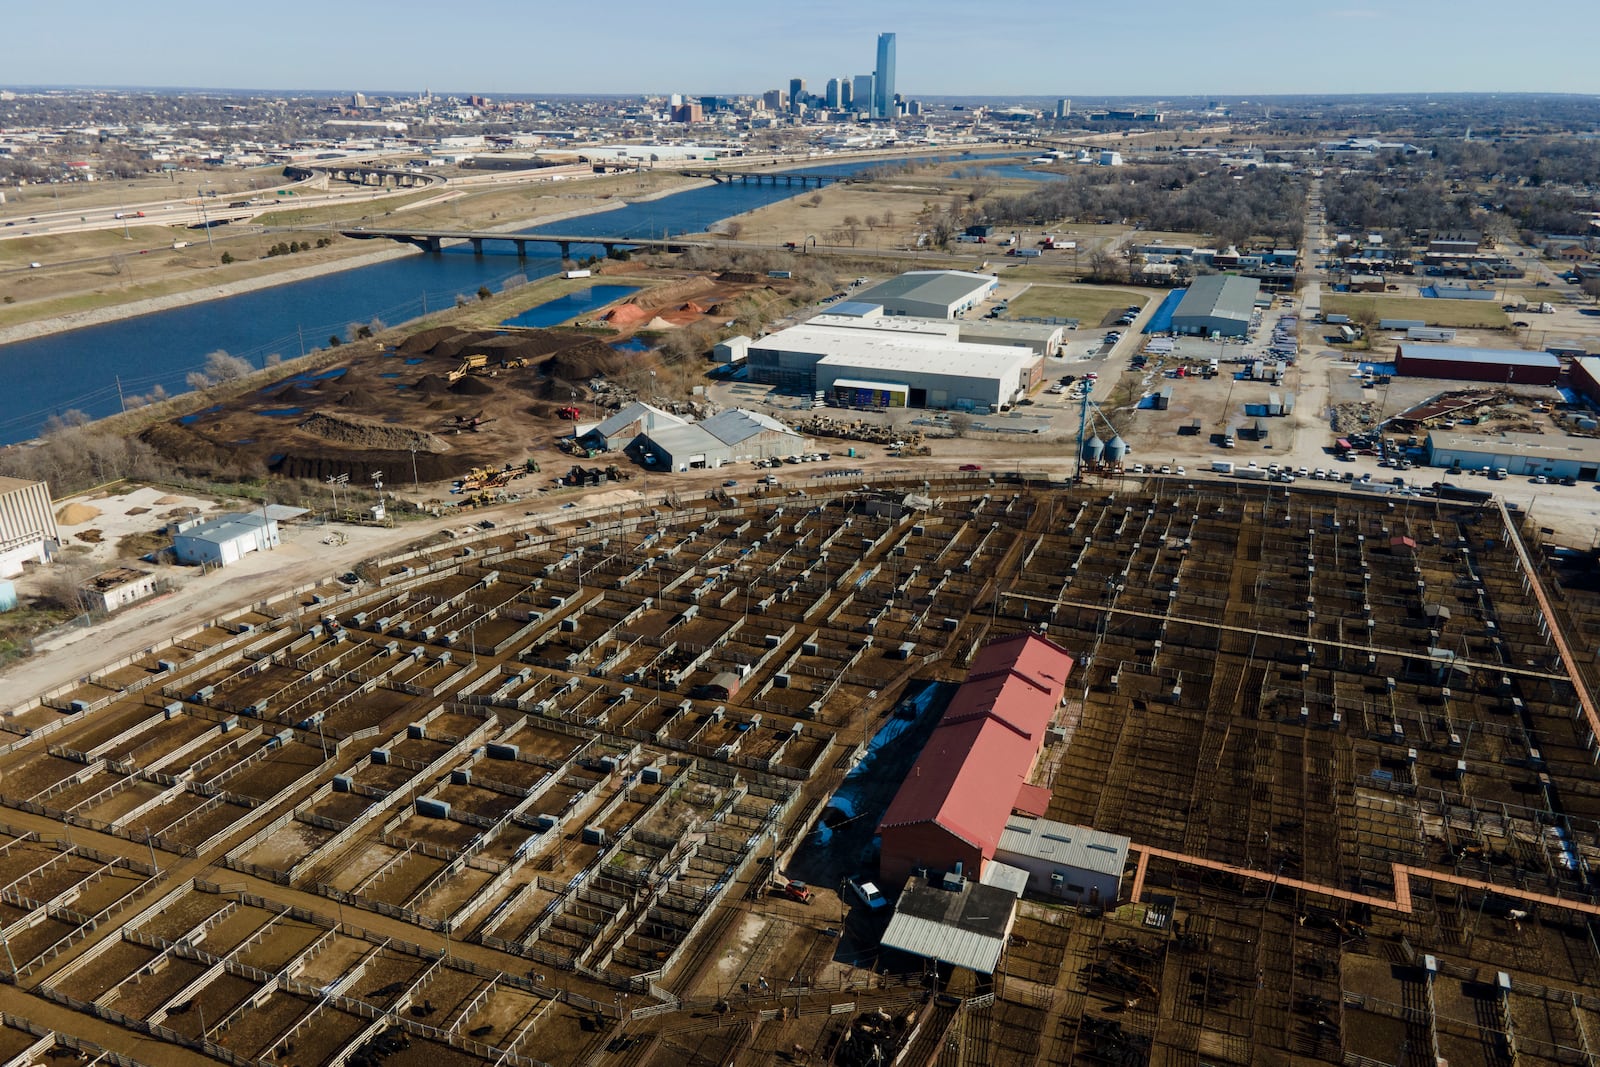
(883, 79)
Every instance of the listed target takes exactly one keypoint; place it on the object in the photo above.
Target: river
(92, 368)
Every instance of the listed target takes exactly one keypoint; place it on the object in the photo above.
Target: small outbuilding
(117, 588)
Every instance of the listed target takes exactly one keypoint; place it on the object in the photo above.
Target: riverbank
(25, 331)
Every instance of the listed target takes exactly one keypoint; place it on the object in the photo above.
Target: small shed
(723, 686)
(1402, 546)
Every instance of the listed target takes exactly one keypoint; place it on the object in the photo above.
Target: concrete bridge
(433, 240)
(363, 174)
(767, 177)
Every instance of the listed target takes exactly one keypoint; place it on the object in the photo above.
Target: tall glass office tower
(883, 83)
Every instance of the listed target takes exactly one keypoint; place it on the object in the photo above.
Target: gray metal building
(1217, 305)
(1519, 453)
(619, 428)
(1070, 863)
(932, 294)
(733, 436)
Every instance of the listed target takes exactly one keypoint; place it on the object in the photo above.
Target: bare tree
(960, 423)
(871, 221)
(733, 228)
(221, 367)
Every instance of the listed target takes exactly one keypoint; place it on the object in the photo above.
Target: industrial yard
(530, 796)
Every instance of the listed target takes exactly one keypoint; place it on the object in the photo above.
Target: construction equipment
(570, 413)
(468, 422)
(468, 364)
(514, 364)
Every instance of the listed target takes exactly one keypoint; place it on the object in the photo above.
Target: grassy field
(1088, 304)
(1468, 314)
(337, 213)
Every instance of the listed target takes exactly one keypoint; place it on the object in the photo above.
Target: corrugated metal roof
(737, 425)
(1224, 296)
(855, 308)
(650, 418)
(970, 771)
(930, 286)
(967, 927)
(1513, 357)
(936, 941)
(1550, 446)
(226, 527)
(1078, 847)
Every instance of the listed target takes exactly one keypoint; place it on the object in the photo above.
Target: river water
(89, 369)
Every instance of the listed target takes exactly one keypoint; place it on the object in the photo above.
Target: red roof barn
(973, 771)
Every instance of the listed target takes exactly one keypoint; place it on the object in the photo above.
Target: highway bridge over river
(434, 240)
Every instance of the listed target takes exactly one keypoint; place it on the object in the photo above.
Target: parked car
(866, 893)
(970, 467)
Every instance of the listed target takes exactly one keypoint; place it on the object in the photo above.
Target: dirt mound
(678, 292)
(90, 537)
(626, 315)
(348, 431)
(293, 394)
(76, 514)
(587, 359)
(362, 466)
(167, 500)
(423, 342)
(431, 383)
(358, 399)
(193, 452)
(496, 345)
(739, 277)
(472, 387)
(453, 347)
(659, 323)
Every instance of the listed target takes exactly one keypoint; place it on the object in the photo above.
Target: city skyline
(1141, 48)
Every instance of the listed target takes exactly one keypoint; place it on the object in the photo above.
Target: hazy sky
(995, 48)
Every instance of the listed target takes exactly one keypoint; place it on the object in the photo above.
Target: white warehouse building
(898, 363)
(873, 371)
(223, 540)
(930, 294)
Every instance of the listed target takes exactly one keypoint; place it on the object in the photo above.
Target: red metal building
(1586, 378)
(1502, 365)
(973, 772)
